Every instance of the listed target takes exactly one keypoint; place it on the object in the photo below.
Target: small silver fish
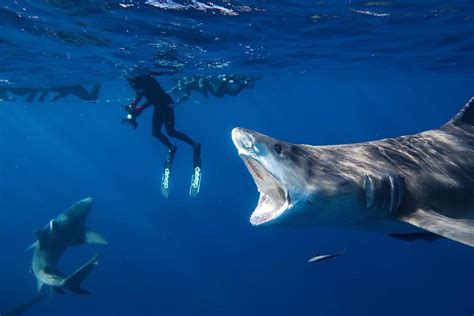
(325, 257)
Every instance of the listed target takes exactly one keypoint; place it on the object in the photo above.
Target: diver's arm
(137, 99)
(140, 108)
(133, 108)
(134, 111)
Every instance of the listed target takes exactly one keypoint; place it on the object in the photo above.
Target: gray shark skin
(425, 180)
(67, 230)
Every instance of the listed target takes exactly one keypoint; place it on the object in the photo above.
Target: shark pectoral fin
(91, 237)
(426, 236)
(32, 246)
(39, 285)
(460, 230)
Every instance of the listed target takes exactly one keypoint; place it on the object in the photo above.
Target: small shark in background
(401, 186)
(19, 310)
(67, 230)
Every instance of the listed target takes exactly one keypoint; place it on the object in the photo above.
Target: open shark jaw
(274, 198)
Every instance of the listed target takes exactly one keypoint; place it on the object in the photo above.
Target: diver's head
(133, 82)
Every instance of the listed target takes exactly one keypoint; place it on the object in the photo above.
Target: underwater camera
(130, 119)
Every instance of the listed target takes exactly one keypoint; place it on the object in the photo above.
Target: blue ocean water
(331, 72)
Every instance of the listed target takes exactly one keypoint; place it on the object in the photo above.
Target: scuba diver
(77, 90)
(29, 92)
(163, 114)
(228, 84)
(218, 86)
(61, 91)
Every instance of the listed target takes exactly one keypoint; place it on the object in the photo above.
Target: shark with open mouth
(274, 198)
(404, 185)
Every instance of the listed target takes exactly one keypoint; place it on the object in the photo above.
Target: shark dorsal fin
(465, 116)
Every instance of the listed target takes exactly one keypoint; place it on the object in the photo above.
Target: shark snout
(243, 140)
(81, 208)
(85, 203)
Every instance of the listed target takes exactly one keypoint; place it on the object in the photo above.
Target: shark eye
(277, 148)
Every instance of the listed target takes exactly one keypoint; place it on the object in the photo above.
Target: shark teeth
(273, 199)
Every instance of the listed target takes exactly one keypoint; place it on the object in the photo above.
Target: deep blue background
(201, 256)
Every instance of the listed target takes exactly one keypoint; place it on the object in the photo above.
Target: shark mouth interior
(274, 199)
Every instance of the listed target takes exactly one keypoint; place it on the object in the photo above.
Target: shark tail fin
(460, 230)
(19, 310)
(465, 116)
(32, 246)
(73, 282)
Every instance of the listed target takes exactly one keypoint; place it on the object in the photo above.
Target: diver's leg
(43, 95)
(5, 97)
(203, 86)
(60, 95)
(221, 90)
(234, 88)
(80, 92)
(19, 91)
(158, 121)
(95, 92)
(169, 124)
(215, 87)
(85, 95)
(32, 95)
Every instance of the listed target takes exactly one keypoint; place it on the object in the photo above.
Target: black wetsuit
(163, 113)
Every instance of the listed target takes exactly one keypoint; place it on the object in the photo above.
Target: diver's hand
(127, 108)
(131, 120)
